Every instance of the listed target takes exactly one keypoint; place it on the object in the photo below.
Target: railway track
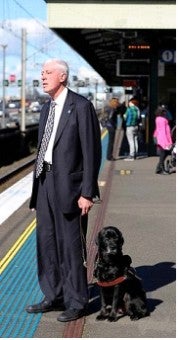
(11, 174)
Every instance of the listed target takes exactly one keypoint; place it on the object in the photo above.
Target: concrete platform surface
(143, 206)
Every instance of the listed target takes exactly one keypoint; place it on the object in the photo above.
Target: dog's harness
(114, 282)
(119, 279)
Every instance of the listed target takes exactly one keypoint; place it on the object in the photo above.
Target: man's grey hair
(61, 64)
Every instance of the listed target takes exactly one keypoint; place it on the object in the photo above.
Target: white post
(4, 86)
(96, 92)
(23, 72)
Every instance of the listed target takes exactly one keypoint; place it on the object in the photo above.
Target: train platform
(143, 206)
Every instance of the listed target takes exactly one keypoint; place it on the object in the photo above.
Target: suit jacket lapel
(44, 116)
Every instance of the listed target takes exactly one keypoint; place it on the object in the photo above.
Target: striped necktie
(45, 139)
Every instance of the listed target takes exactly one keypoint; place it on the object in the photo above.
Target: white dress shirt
(58, 110)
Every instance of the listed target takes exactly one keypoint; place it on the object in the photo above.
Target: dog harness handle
(120, 279)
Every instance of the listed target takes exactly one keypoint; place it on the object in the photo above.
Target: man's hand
(85, 204)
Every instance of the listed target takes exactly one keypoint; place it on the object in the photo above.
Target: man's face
(52, 78)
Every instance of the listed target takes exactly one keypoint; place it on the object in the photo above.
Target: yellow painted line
(125, 172)
(104, 133)
(21, 240)
(17, 245)
(101, 183)
(128, 172)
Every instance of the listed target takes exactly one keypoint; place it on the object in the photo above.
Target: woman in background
(163, 139)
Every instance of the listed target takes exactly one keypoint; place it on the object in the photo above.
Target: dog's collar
(114, 282)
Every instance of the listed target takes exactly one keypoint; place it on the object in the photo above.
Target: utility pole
(23, 77)
(96, 91)
(3, 86)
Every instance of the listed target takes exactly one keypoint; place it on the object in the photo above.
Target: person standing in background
(112, 113)
(64, 186)
(132, 116)
(163, 139)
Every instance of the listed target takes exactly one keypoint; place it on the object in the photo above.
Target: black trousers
(111, 138)
(162, 156)
(60, 249)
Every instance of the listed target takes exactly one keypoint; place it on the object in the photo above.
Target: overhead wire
(27, 12)
(16, 35)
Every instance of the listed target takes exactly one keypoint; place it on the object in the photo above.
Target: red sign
(130, 83)
(12, 78)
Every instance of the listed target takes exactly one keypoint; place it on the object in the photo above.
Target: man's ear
(63, 78)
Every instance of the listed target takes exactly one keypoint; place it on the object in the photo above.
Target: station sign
(81, 83)
(75, 78)
(36, 82)
(130, 83)
(132, 67)
(5, 82)
(168, 56)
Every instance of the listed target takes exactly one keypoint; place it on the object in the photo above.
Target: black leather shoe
(163, 172)
(111, 159)
(45, 306)
(71, 314)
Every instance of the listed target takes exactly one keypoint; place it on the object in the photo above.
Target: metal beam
(112, 15)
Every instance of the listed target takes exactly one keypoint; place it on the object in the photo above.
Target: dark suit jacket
(76, 152)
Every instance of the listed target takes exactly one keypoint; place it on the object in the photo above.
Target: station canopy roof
(102, 35)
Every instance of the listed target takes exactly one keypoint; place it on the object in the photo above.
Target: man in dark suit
(64, 185)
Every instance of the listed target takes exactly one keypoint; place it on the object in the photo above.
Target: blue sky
(42, 43)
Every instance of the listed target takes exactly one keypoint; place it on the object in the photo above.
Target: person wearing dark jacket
(64, 186)
(112, 112)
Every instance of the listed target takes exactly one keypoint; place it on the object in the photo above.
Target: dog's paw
(112, 318)
(101, 317)
(135, 317)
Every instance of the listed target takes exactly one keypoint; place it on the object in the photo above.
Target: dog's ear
(122, 239)
(127, 260)
(119, 234)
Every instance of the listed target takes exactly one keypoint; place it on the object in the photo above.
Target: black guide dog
(121, 290)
